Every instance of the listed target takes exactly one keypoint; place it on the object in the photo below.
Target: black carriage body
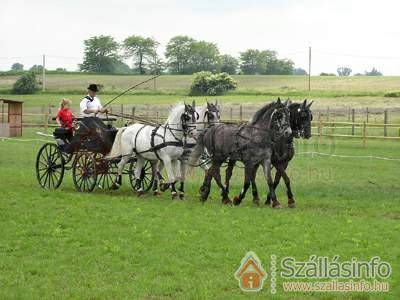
(94, 136)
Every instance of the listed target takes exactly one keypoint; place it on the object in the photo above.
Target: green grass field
(65, 244)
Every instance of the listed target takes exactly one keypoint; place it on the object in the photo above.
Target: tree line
(183, 55)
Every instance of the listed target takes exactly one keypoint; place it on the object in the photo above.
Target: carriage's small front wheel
(146, 175)
(84, 172)
(107, 173)
(49, 166)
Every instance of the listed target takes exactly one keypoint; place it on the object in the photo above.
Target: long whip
(131, 88)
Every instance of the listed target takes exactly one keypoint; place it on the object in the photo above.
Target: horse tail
(117, 145)
(197, 151)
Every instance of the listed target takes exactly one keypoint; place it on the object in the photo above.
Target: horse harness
(155, 148)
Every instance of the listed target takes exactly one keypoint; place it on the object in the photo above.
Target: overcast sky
(355, 33)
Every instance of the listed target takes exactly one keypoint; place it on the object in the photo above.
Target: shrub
(393, 94)
(26, 84)
(206, 83)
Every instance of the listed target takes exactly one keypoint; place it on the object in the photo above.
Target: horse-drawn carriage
(85, 154)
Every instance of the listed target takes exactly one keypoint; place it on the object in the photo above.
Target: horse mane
(175, 113)
(260, 113)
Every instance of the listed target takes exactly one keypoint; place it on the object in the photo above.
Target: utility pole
(309, 68)
(44, 73)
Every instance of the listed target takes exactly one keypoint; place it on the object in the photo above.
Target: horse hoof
(174, 195)
(115, 186)
(236, 201)
(226, 201)
(140, 193)
(157, 194)
(182, 196)
(276, 206)
(164, 187)
(291, 203)
(256, 201)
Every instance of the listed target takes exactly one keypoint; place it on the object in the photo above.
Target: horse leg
(118, 182)
(256, 198)
(268, 177)
(171, 177)
(291, 201)
(206, 186)
(138, 172)
(181, 188)
(248, 175)
(154, 170)
(228, 174)
(218, 180)
(276, 183)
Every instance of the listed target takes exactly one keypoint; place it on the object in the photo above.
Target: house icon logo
(251, 275)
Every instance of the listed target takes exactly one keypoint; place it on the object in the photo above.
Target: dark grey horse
(250, 143)
(283, 152)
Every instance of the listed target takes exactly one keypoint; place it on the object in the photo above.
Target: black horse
(250, 143)
(282, 154)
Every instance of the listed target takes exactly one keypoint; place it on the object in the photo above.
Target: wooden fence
(349, 123)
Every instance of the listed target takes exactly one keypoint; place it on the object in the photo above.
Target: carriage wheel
(84, 172)
(108, 176)
(146, 175)
(49, 166)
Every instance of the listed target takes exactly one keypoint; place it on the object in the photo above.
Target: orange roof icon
(250, 274)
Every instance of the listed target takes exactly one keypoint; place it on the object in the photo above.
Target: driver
(91, 105)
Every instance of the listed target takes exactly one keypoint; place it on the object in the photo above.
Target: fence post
(364, 134)
(46, 121)
(327, 114)
(231, 113)
(385, 122)
(321, 126)
(133, 112)
(122, 113)
(352, 120)
(367, 114)
(240, 113)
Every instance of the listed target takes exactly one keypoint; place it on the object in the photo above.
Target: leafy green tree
(61, 70)
(100, 55)
(254, 61)
(17, 67)
(373, 72)
(178, 52)
(299, 71)
(344, 71)
(204, 56)
(140, 49)
(155, 64)
(37, 69)
(229, 64)
(26, 84)
(251, 62)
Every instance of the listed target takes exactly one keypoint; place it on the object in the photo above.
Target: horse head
(212, 113)
(300, 119)
(279, 119)
(188, 120)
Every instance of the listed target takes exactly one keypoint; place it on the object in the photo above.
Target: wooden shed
(10, 118)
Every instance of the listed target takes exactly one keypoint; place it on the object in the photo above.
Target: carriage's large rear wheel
(146, 175)
(84, 172)
(49, 166)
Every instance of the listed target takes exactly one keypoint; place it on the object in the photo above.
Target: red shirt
(65, 117)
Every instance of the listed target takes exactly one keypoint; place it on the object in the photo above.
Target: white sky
(360, 34)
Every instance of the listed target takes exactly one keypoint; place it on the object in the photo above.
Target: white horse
(207, 115)
(164, 142)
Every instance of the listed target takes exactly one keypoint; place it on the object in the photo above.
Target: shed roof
(8, 101)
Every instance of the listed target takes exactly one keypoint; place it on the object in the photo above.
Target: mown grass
(65, 244)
